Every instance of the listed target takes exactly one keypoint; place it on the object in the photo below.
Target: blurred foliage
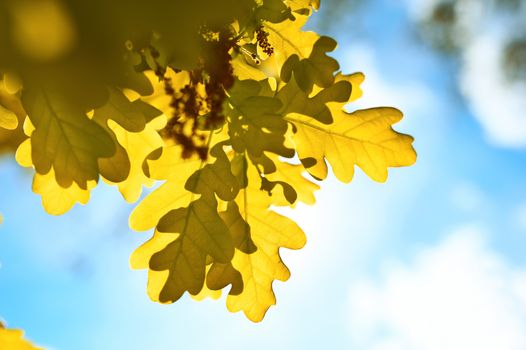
(515, 59)
(229, 103)
(12, 116)
(337, 14)
(450, 26)
(439, 27)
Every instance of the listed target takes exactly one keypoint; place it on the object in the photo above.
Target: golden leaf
(269, 232)
(56, 199)
(12, 339)
(364, 138)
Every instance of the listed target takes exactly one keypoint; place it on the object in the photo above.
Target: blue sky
(433, 259)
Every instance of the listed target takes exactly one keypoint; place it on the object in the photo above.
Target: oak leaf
(12, 339)
(65, 138)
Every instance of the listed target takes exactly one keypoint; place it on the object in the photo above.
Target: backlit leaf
(12, 339)
(8, 119)
(12, 113)
(197, 231)
(170, 195)
(317, 69)
(292, 175)
(255, 125)
(269, 232)
(288, 39)
(274, 11)
(364, 138)
(65, 139)
(137, 146)
(56, 199)
(200, 233)
(130, 117)
(296, 100)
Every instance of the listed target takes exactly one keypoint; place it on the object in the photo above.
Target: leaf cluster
(230, 116)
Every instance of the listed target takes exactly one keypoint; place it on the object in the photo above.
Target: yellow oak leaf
(254, 122)
(297, 5)
(317, 69)
(140, 260)
(11, 83)
(356, 79)
(137, 145)
(296, 100)
(207, 292)
(56, 199)
(269, 232)
(65, 138)
(169, 166)
(292, 175)
(274, 11)
(287, 39)
(219, 275)
(23, 154)
(8, 119)
(11, 110)
(159, 98)
(245, 67)
(166, 164)
(364, 138)
(130, 116)
(13, 339)
(197, 230)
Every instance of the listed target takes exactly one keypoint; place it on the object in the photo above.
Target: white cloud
(482, 31)
(457, 295)
(408, 96)
(499, 105)
(519, 217)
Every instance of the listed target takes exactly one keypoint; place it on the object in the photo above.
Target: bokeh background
(433, 259)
